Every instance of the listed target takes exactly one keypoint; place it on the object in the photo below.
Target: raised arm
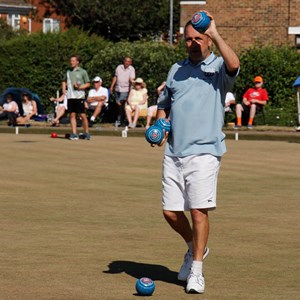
(231, 60)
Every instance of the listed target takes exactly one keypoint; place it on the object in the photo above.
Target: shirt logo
(209, 72)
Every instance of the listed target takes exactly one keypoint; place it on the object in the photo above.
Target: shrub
(39, 62)
(279, 66)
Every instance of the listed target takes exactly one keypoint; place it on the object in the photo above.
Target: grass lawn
(82, 220)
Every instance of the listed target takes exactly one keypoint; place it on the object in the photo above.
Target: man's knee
(199, 215)
(173, 217)
(238, 108)
(170, 216)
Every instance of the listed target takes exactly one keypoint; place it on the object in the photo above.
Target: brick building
(244, 23)
(31, 16)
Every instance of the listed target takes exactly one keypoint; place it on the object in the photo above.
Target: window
(14, 21)
(51, 25)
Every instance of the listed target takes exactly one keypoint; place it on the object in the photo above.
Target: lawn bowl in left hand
(164, 124)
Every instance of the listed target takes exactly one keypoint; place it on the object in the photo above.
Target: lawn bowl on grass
(145, 286)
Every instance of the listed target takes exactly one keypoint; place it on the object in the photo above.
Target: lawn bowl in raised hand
(200, 21)
(145, 286)
(154, 135)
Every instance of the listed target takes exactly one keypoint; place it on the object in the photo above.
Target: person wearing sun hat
(136, 101)
(254, 99)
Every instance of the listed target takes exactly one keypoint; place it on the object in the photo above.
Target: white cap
(97, 79)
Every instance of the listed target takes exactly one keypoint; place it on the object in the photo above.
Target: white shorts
(152, 110)
(190, 182)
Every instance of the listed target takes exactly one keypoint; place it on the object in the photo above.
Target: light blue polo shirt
(195, 95)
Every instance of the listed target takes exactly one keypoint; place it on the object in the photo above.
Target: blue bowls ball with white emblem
(164, 124)
(200, 21)
(145, 286)
(154, 135)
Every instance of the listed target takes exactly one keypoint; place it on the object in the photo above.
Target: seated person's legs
(151, 110)
(23, 120)
(252, 113)
(128, 111)
(97, 110)
(4, 115)
(239, 110)
(61, 110)
(136, 115)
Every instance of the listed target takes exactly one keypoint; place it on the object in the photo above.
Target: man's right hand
(163, 141)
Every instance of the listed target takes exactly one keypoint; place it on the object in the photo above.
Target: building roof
(15, 7)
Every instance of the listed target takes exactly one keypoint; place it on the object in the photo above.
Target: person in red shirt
(254, 100)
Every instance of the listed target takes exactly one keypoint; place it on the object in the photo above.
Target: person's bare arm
(231, 60)
(261, 102)
(96, 98)
(64, 87)
(112, 85)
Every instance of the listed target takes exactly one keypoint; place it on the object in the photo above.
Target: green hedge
(280, 67)
(39, 62)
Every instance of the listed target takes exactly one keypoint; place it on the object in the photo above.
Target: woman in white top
(29, 109)
(136, 101)
(10, 110)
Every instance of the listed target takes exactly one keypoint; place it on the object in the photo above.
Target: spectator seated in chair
(254, 100)
(9, 111)
(97, 98)
(61, 108)
(137, 100)
(229, 107)
(29, 109)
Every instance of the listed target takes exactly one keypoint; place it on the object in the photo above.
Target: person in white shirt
(10, 110)
(97, 98)
(229, 100)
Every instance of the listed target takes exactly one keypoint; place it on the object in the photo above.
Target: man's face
(74, 62)
(127, 62)
(197, 44)
(258, 84)
(97, 84)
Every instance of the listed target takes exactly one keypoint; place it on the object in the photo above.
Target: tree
(6, 31)
(118, 19)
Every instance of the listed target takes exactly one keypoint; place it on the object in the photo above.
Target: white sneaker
(195, 284)
(185, 269)
(206, 251)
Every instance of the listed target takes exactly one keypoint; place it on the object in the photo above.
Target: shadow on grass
(138, 270)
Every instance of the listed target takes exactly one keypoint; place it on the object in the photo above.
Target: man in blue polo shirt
(194, 100)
